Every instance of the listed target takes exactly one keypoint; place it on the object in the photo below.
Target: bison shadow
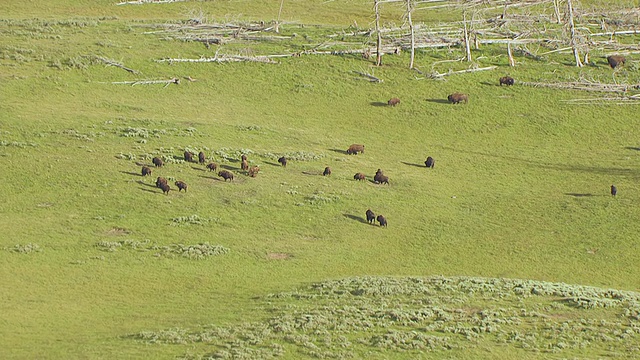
(632, 148)
(579, 194)
(356, 218)
(145, 184)
(438, 101)
(131, 173)
(312, 173)
(411, 164)
(272, 164)
(198, 168)
(378, 103)
(344, 152)
(227, 167)
(151, 191)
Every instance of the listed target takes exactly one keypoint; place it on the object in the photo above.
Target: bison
(283, 161)
(359, 176)
(616, 60)
(327, 171)
(201, 158)
(243, 157)
(212, 166)
(382, 220)
(188, 156)
(382, 179)
(226, 175)
(393, 102)
(430, 162)
(371, 217)
(244, 165)
(146, 171)
(160, 180)
(456, 98)
(507, 80)
(614, 190)
(165, 188)
(355, 148)
(253, 171)
(181, 186)
(157, 162)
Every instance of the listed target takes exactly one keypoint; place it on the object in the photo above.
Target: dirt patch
(278, 256)
(118, 232)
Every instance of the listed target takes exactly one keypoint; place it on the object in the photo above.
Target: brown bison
(614, 190)
(507, 80)
(379, 176)
(327, 171)
(243, 157)
(146, 171)
(181, 186)
(283, 161)
(371, 217)
(212, 166)
(456, 98)
(430, 162)
(382, 220)
(226, 175)
(382, 179)
(160, 180)
(165, 188)
(393, 102)
(253, 171)
(188, 156)
(359, 176)
(157, 162)
(355, 148)
(616, 60)
(244, 165)
(201, 158)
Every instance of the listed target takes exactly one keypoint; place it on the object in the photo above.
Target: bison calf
(359, 176)
(393, 102)
(157, 162)
(160, 180)
(212, 166)
(146, 171)
(507, 80)
(355, 148)
(181, 186)
(226, 175)
(201, 158)
(165, 188)
(382, 220)
(188, 156)
(430, 162)
(253, 171)
(616, 60)
(283, 161)
(456, 98)
(327, 171)
(371, 217)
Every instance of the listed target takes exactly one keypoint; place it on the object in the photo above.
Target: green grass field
(505, 249)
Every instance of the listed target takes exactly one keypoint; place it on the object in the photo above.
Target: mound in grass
(383, 317)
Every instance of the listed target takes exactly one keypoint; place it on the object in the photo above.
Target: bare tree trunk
(413, 38)
(572, 27)
(466, 35)
(277, 27)
(556, 10)
(379, 34)
(511, 61)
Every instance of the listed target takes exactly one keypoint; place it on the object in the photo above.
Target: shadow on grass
(356, 218)
(198, 168)
(632, 148)
(312, 173)
(227, 167)
(581, 194)
(488, 83)
(272, 164)
(438, 101)
(378, 103)
(412, 164)
(131, 173)
(344, 152)
(145, 184)
(151, 191)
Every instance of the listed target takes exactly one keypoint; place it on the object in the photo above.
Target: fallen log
(368, 76)
(436, 75)
(117, 64)
(148, 82)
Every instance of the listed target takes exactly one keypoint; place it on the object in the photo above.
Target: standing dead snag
(574, 40)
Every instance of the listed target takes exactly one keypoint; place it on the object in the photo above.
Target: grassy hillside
(97, 261)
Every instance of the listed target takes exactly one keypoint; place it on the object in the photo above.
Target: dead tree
(376, 9)
(466, 35)
(277, 26)
(413, 37)
(572, 28)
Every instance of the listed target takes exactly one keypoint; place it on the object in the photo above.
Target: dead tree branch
(368, 76)
(117, 64)
(438, 75)
(149, 82)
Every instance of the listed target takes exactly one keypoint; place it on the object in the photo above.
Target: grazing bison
(160, 180)
(393, 102)
(243, 157)
(355, 148)
(382, 220)
(430, 162)
(165, 188)
(188, 156)
(371, 217)
(181, 186)
(157, 162)
(359, 176)
(146, 171)
(244, 165)
(283, 161)
(226, 175)
(327, 171)
(616, 60)
(382, 179)
(458, 97)
(253, 171)
(507, 80)
(201, 158)
(212, 166)
(614, 190)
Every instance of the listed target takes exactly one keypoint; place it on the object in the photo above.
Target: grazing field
(510, 246)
